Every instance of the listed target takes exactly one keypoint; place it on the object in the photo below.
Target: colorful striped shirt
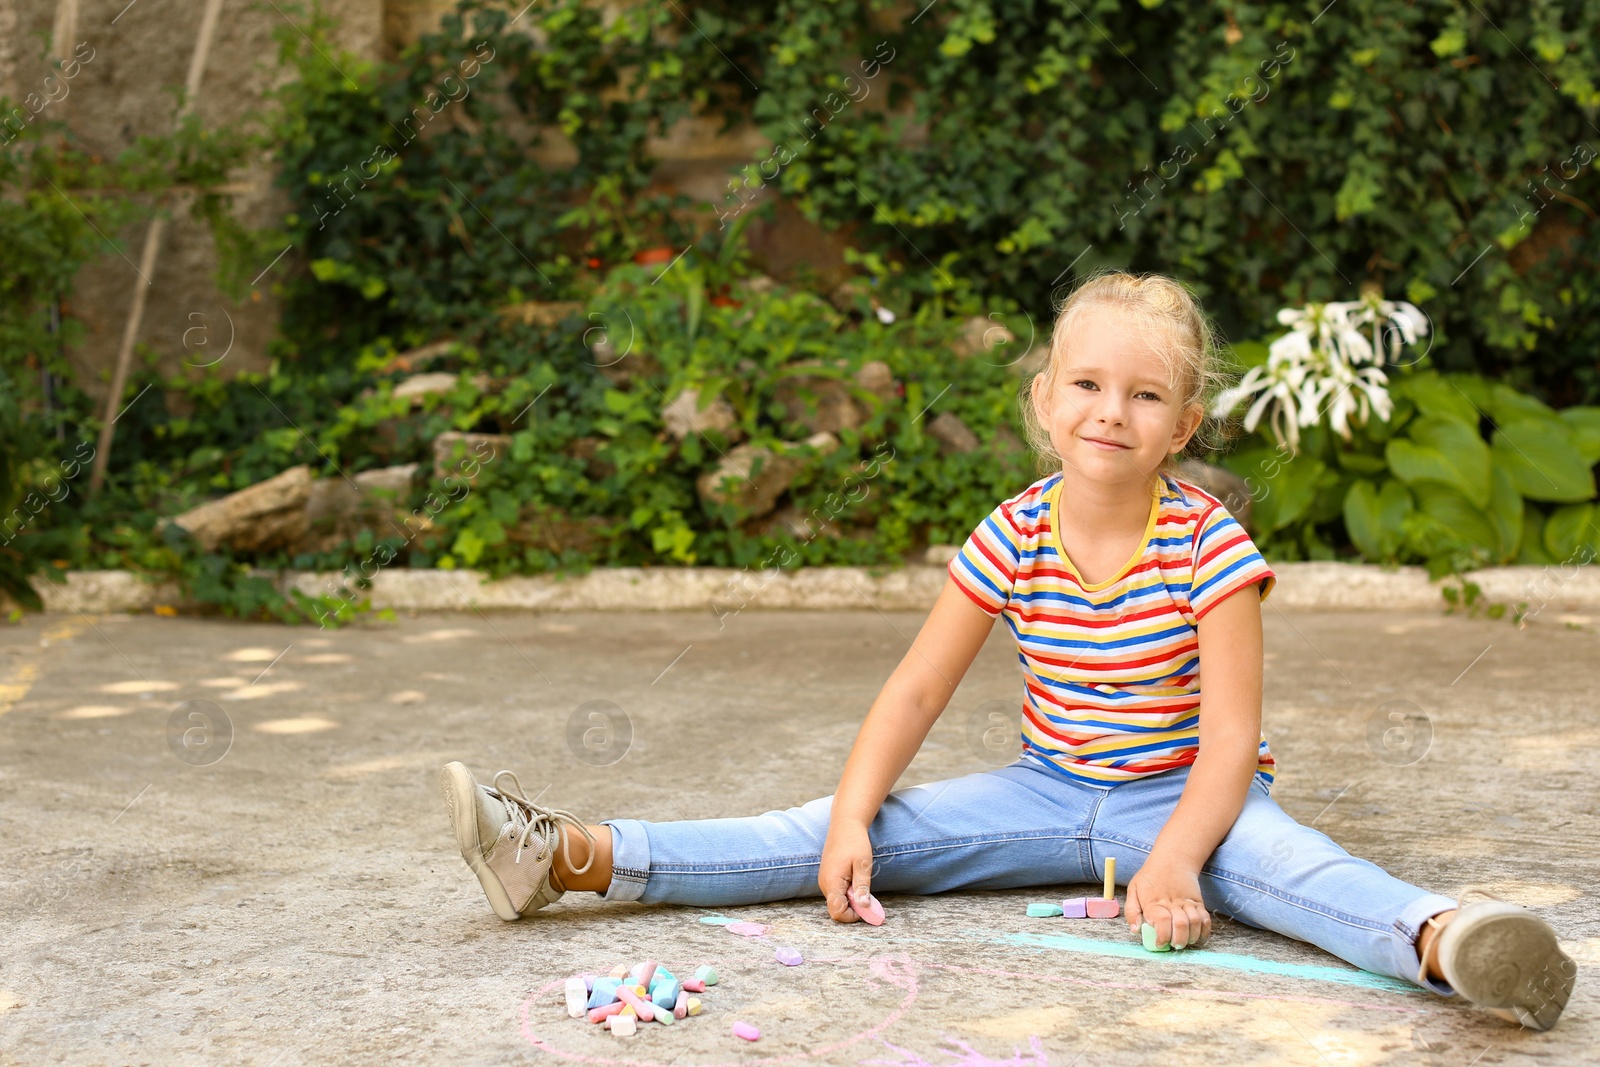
(1111, 670)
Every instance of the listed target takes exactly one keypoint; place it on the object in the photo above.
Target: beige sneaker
(1505, 958)
(508, 840)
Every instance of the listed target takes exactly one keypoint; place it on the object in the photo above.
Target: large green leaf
(1584, 422)
(1455, 521)
(1375, 519)
(1442, 452)
(1284, 491)
(1435, 395)
(1571, 530)
(1508, 405)
(1543, 460)
(1531, 552)
(1505, 514)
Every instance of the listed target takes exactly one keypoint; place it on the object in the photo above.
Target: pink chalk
(693, 985)
(1100, 908)
(680, 1007)
(1074, 908)
(746, 1031)
(601, 1014)
(870, 913)
(641, 973)
(745, 929)
(642, 1008)
(789, 957)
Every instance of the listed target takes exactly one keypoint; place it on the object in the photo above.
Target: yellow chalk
(1111, 877)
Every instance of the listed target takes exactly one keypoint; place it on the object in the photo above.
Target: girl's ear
(1040, 394)
(1188, 422)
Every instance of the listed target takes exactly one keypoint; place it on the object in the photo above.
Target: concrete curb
(725, 591)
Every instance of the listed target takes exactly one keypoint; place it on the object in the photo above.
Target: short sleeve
(986, 567)
(1225, 561)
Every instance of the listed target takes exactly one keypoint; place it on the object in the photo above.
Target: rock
(411, 359)
(819, 403)
(555, 531)
(876, 378)
(952, 434)
(434, 383)
(737, 481)
(541, 312)
(588, 450)
(980, 335)
(622, 368)
(685, 416)
(475, 451)
(1225, 485)
(338, 510)
(267, 515)
(790, 521)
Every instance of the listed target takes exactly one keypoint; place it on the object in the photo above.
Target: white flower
(1326, 366)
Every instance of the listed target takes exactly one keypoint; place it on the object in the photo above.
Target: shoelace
(530, 818)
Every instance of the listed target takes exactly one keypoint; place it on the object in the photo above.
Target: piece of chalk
(604, 991)
(789, 956)
(746, 1031)
(641, 1007)
(623, 1025)
(707, 974)
(1148, 932)
(1103, 909)
(619, 971)
(588, 982)
(746, 929)
(577, 997)
(665, 994)
(870, 912)
(664, 1016)
(606, 1011)
(716, 920)
(693, 1004)
(1074, 907)
(680, 1007)
(661, 975)
(640, 975)
(1044, 911)
(694, 985)
(1111, 878)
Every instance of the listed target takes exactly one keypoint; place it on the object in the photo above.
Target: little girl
(1117, 579)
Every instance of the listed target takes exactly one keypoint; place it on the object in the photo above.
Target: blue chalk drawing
(1231, 961)
(717, 920)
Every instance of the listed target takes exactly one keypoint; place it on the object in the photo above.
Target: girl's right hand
(846, 867)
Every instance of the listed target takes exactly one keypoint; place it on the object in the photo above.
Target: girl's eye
(1149, 394)
(1085, 382)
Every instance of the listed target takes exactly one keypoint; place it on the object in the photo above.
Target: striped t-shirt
(1111, 670)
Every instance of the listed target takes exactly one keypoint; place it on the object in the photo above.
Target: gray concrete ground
(300, 900)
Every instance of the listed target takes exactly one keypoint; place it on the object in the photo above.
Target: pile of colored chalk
(628, 996)
(1103, 907)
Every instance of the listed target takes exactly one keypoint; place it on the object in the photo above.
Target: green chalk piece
(706, 973)
(1148, 932)
(1044, 911)
(717, 920)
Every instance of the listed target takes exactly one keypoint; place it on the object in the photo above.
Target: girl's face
(1112, 413)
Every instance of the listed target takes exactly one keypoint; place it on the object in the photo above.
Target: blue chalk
(604, 992)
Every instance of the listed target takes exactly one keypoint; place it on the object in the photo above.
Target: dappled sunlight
(438, 635)
(93, 711)
(267, 689)
(139, 686)
(309, 724)
(253, 655)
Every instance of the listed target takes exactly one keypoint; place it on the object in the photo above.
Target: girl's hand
(846, 867)
(1167, 896)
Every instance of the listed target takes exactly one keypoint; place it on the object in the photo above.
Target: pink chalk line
(897, 971)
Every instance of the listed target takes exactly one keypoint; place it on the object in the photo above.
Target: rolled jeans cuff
(630, 860)
(1409, 927)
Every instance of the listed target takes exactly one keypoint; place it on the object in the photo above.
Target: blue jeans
(1025, 824)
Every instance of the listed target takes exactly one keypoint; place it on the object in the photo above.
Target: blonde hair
(1152, 304)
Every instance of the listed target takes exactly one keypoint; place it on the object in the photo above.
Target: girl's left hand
(1167, 896)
